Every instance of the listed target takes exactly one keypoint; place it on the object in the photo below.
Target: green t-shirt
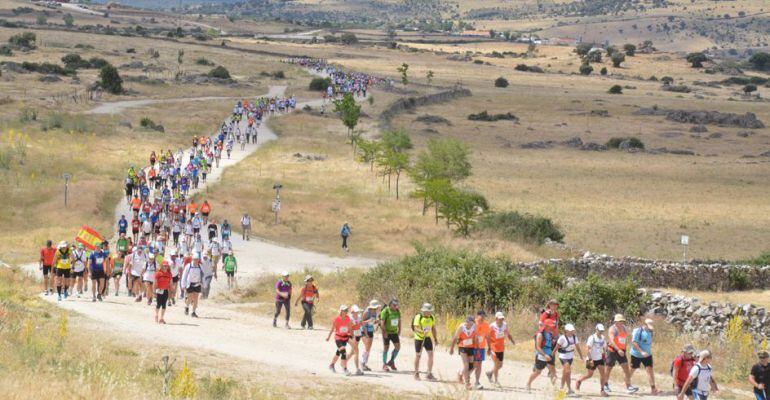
(423, 326)
(229, 264)
(122, 245)
(391, 318)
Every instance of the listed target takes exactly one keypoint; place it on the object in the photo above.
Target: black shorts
(636, 362)
(63, 272)
(540, 364)
(565, 361)
(357, 338)
(46, 270)
(687, 392)
(97, 274)
(196, 231)
(341, 343)
(469, 351)
(615, 358)
(390, 337)
(117, 274)
(597, 363)
(175, 279)
(230, 273)
(77, 274)
(419, 344)
(500, 355)
(161, 299)
(194, 289)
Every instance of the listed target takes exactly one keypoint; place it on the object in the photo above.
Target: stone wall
(701, 318)
(712, 276)
(410, 103)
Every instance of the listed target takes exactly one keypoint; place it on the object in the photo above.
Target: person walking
(641, 352)
(424, 328)
(497, 335)
(308, 295)
(390, 325)
(283, 298)
(47, 254)
(680, 370)
(230, 265)
(162, 283)
(345, 233)
(551, 312)
(79, 261)
(209, 274)
(96, 269)
(482, 347)
(357, 333)
(341, 328)
(566, 346)
(63, 262)
(701, 374)
(617, 343)
(544, 345)
(370, 323)
(759, 378)
(465, 338)
(246, 226)
(192, 281)
(597, 349)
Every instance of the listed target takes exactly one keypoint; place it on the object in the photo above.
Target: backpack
(671, 371)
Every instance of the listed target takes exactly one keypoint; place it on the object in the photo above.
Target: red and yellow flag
(89, 237)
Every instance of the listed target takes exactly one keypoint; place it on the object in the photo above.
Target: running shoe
(99, 297)
(66, 295)
(93, 300)
(632, 389)
(478, 387)
(417, 376)
(366, 368)
(431, 378)
(392, 365)
(186, 310)
(385, 368)
(310, 328)
(347, 373)
(607, 388)
(489, 376)
(45, 293)
(275, 325)
(331, 368)
(194, 315)
(359, 372)
(287, 326)
(59, 297)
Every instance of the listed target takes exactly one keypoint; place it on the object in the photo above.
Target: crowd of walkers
(341, 82)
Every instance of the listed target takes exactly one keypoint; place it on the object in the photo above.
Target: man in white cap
(641, 351)
(618, 344)
(566, 346)
(282, 298)
(498, 332)
(597, 348)
(424, 328)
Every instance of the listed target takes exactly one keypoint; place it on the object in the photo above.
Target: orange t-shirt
(205, 208)
(482, 331)
(192, 208)
(497, 337)
(465, 339)
(619, 340)
(46, 255)
(342, 328)
(136, 203)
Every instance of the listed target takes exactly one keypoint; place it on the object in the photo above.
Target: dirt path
(117, 107)
(228, 329)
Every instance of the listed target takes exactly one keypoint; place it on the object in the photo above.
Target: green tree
(582, 49)
(393, 158)
(461, 208)
(760, 61)
(697, 59)
(630, 49)
(369, 151)
(442, 159)
(501, 82)
(349, 112)
(586, 69)
(26, 39)
(69, 20)
(429, 76)
(749, 88)
(616, 89)
(403, 71)
(617, 59)
(348, 38)
(110, 80)
(219, 72)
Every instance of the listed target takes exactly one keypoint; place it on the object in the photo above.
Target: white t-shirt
(596, 347)
(567, 346)
(703, 374)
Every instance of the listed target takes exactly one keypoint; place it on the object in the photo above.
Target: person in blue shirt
(96, 262)
(145, 192)
(641, 351)
(122, 225)
(345, 233)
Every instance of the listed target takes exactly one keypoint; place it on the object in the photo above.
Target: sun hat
(569, 328)
(62, 244)
(600, 327)
(620, 318)
(763, 354)
(285, 273)
(374, 304)
(648, 322)
(355, 308)
(427, 307)
(343, 308)
(704, 355)
(308, 278)
(689, 349)
(499, 315)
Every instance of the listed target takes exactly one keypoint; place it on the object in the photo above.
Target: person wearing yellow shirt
(62, 260)
(424, 328)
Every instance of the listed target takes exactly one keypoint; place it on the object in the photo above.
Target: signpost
(685, 243)
(67, 176)
(277, 201)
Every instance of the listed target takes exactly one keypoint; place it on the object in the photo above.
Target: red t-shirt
(341, 328)
(46, 255)
(684, 369)
(547, 314)
(162, 279)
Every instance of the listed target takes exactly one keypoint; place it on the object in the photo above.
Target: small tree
(69, 20)
(320, 84)
(429, 76)
(403, 71)
(461, 208)
(110, 80)
(23, 40)
(220, 72)
(593, 56)
(349, 111)
(697, 59)
(443, 159)
(348, 38)
(603, 71)
(760, 61)
(667, 80)
(582, 49)
(616, 89)
(586, 69)
(41, 20)
(617, 59)
(501, 82)
(630, 49)
(749, 88)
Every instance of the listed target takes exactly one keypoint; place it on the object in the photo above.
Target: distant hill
(165, 4)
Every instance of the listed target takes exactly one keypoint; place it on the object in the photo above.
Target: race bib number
(622, 340)
(309, 299)
(394, 322)
(499, 335)
(99, 260)
(467, 342)
(426, 329)
(158, 291)
(344, 329)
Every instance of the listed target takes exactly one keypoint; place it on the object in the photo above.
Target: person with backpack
(641, 352)
(701, 378)
(597, 349)
(566, 346)
(482, 347)
(680, 369)
(390, 325)
(424, 328)
(162, 284)
(466, 339)
(308, 295)
(545, 343)
(192, 281)
(497, 334)
(551, 311)
(760, 375)
(283, 298)
(47, 254)
(79, 261)
(618, 343)
(345, 233)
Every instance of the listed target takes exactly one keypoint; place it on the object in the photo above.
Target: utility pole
(277, 202)
(685, 243)
(67, 176)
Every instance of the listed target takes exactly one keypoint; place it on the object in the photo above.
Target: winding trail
(228, 329)
(117, 107)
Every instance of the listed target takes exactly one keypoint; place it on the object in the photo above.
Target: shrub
(27, 115)
(320, 84)
(110, 80)
(762, 259)
(204, 61)
(596, 299)
(760, 61)
(348, 38)
(603, 71)
(738, 279)
(147, 123)
(501, 82)
(5, 50)
(46, 68)
(630, 49)
(617, 59)
(616, 89)
(478, 62)
(586, 69)
(485, 116)
(41, 20)
(521, 67)
(749, 88)
(593, 56)
(677, 88)
(582, 49)
(69, 20)
(516, 227)
(64, 121)
(219, 72)
(614, 143)
(74, 61)
(667, 80)
(279, 75)
(697, 59)
(23, 40)
(528, 68)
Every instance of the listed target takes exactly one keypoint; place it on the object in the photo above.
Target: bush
(738, 279)
(5, 50)
(110, 80)
(603, 71)
(762, 259)
(582, 49)
(527, 68)
(667, 80)
(46, 68)
(320, 84)
(23, 40)
(760, 61)
(74, 61)
(204, 61)
(27, 115)
(614, 143)
(516, 227)
(597, 299)
(501, 82)
(147, 123)
(219, 72)
(697, 59)
(630, 49)
(279, 75)
(749, 88)
(348, 38)
(616, 89)
(64, 121)
(586, 69)
(69, 20)
(617, 59)
(485, 116)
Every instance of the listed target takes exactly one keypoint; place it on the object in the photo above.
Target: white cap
(343, 308)
(355, 308)
(285, 273)
(570, 328)
(196, 256)
(600, 327)
(374, 304)
(499, 315)
(62, 244)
